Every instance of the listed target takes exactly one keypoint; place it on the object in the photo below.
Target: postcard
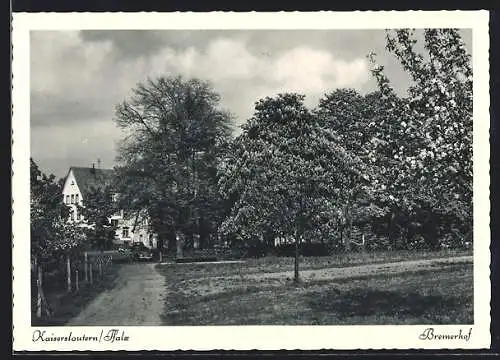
(240, 181)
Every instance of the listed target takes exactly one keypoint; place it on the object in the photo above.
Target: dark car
(141, 252)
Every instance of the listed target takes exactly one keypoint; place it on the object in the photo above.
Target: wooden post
(39, 292)
(68, 268)
(296, 265)
(85, 267)
(91, 275)
(180, 244)
(76, 281)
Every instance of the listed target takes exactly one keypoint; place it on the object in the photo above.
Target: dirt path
(212, 285)
(355, 271)
(136, 299)
(369, 269)
(138, 295)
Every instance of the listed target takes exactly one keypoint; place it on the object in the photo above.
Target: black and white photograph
(252, 182)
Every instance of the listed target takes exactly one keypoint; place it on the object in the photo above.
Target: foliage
(429, 132)
(348, 114)
(51, 233)
(99, 207)
(176, 132)
(285, 174)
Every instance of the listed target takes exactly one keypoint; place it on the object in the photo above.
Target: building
(131, 226)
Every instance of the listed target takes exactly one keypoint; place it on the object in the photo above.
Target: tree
(433, 129)
(51, 234)
(99, 207)
(175, 133)
(283, 174)
(348, 114)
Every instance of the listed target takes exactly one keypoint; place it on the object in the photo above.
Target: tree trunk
(348, 227)
(171, 242)
(85, 266)
(39, 291)
(296, 270)
(296, 277)
(68, 270)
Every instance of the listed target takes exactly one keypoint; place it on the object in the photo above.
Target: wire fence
(64, 276)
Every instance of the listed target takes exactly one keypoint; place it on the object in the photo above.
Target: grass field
(335, 290)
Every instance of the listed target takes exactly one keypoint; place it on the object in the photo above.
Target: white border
(250, 337)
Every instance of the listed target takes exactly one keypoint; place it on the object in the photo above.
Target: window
(76, 198)
(67, 199)
(114, 222)
(72, 198)
(125, 232)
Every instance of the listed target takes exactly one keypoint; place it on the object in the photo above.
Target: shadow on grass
(66, 305)
(421, 296)
(361, 302)
(178, 307)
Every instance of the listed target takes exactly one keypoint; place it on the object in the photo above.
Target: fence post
(91, 275)
(39, 292)
(68, 266)
(85, 266)
(77, 287)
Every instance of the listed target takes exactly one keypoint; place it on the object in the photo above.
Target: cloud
(73, 78)
(77, 78)
(62, 63)
(235, 70)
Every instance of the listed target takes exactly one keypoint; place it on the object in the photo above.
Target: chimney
(93, 169)
(98, 163)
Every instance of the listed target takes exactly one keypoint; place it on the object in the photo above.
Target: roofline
(88, 167)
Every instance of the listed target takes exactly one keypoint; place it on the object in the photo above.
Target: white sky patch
(314, 70)
(298, 68)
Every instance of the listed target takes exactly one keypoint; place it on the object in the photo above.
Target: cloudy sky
(78, 77)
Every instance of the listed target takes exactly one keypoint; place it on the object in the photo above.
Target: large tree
(347, 113)
(175, 131)
(284, 175)
(432, 127)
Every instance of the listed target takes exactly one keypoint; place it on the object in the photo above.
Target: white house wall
(141, 233)
(71, 188)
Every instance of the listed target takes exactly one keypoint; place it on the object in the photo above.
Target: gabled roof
(89, 177)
